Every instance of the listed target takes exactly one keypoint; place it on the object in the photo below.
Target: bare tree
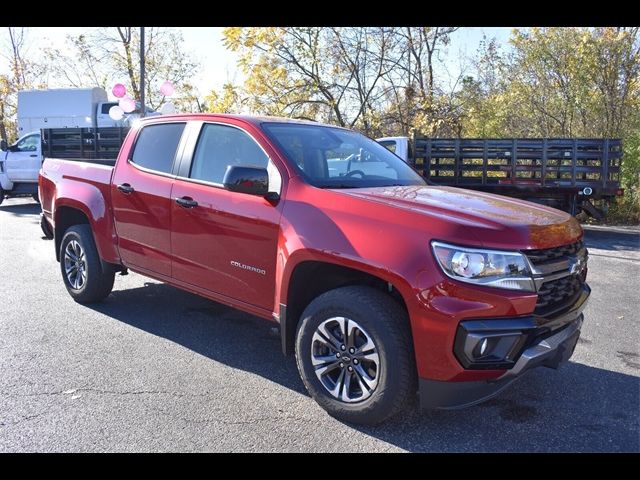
(24, 73)
(106, 55)
(415, 92)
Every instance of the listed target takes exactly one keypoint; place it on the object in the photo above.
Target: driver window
(220, 146)
(28, 144)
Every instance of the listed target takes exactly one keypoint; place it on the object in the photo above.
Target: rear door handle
(125, 188)
(186, 202)
(33, 155)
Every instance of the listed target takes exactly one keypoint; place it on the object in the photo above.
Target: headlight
(491, 268)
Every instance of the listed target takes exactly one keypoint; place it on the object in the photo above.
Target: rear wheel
(355, 354)
(82, 271)
(1, 196)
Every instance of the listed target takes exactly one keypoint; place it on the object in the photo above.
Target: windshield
(336, 158)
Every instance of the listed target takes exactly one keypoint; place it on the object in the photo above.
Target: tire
(1, 196)
(36, 197)
(90, 283)
(377, 318)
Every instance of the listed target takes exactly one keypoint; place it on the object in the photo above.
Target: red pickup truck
(381, 285)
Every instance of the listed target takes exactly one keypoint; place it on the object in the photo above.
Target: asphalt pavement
(153, 368)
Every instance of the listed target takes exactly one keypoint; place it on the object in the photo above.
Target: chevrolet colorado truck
(381, 285)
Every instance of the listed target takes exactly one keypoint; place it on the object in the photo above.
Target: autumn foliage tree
(560, 82)
(336, 74)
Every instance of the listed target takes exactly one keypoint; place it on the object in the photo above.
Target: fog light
(490, 343)
(587, 191)
(483, 346)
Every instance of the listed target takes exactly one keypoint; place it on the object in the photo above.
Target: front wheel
(82, 271)
(1, 195)
(355, 354)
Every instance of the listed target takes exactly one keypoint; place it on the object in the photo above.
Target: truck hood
(495, 221)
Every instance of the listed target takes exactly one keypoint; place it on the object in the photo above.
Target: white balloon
(116, 112)
(167, 108)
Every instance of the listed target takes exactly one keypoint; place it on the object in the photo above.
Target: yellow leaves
(232, 37)
(279, 73)
(247, 38)
(225, 101)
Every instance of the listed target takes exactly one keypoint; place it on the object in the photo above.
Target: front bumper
(550, 344)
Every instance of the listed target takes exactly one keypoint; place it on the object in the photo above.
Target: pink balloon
(166, 88)
(119, 90)
(127, 104)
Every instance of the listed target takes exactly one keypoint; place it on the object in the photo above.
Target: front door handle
(186, 202)
(125, 188)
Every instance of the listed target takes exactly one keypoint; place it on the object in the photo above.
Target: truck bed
(533, 164)
(77, 174)
(97, 144)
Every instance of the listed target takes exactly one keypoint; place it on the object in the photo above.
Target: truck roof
(59, 102)
(256, 120)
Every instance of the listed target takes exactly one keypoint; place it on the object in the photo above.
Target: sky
(218, 65)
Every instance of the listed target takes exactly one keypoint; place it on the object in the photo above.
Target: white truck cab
(401, 146)
(19, 166)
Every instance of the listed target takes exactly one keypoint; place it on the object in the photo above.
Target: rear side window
(156, 146)
(389, 145)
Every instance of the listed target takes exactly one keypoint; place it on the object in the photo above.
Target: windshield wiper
(337, 185)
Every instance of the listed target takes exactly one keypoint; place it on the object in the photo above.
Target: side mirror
(251, 180)
(4, 146)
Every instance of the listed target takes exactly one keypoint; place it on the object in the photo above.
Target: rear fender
(89, 200)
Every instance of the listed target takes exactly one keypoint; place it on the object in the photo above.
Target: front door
(23, 159)
(141, 198)
(227, 242)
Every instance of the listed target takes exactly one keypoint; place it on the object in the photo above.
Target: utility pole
(143, 108)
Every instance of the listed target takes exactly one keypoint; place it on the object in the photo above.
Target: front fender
(304, 254)
(5, 183)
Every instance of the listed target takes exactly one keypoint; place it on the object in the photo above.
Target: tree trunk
(3, 127)
(126, 43)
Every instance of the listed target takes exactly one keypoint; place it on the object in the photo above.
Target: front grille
(556, 295)
(537, 257)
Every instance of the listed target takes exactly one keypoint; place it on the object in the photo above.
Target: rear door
(24, 158)
(141, 198)
(226, 242)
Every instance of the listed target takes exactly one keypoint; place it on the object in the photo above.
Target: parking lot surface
(156, 369)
